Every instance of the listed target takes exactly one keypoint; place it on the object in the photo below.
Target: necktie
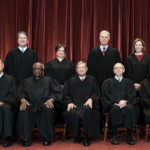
(82, 78)
(103, 51)
(119, 80)
(22, 51)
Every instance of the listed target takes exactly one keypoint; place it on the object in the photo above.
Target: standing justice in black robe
(60, 71)
(37, 92)
(114, 91)
(19, 64)
(7, 96)
(101, 67)
(78, 92)
(145, 93)
(137, 70)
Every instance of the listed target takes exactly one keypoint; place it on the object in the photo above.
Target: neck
(138, 53)
(119, 76)
(23, 46)
(1, 72)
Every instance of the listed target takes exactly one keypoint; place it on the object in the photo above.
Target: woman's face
(138, 46)
(60, 52)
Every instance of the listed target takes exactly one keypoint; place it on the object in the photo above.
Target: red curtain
(75, 23)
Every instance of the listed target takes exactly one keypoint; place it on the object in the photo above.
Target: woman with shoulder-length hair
(137, 65)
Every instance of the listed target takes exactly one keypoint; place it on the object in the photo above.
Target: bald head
(119, 69)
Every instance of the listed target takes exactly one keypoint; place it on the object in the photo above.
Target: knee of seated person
(87, 107)
(49, 109)
(129, 106)
(6, 108)
(115, 107)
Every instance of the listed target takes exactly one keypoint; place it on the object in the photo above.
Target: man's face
(1, 67)
(60, 52)
(22, 40)
(104, 38)
(37, 71)
(119, 69)
(81, 69)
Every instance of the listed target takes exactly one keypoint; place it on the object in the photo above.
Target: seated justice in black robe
(145, 93)
(81, 95)
(120, 103)
(37, 97)
(7, 100)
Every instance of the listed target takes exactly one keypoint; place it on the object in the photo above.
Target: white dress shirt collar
(22, 49)
(1, 74)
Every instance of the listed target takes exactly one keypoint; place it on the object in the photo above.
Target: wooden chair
(106, 128)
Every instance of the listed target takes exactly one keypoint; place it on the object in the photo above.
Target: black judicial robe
(19, 64)
(113, 92)
(60, 71)
(145, 93)
(7, 96)
(101, 67)
(78, 92)
(37, 92)
(137, 70)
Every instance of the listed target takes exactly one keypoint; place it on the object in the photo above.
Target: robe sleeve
(22, 91)
(9, 64)
(56, 91)
(48, 70)
(36, 59)
(117, 56)
(109, 99)
(95, 94)
(91, 64)
(128, 69)
(10, 98)
(131, 93)
(145, 93)
(67, 93)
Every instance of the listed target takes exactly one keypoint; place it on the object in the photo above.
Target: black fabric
(60, 71)
(78, 92)
(101, 67)
(37, 92)
(145, 93)
(7, 96)
(115, 91)
(19, 64)
(137, 70)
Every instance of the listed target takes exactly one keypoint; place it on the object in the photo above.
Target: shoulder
(8, 77)
(127, 80)
(12, 51)
(31, 50)
(94, 50)
(113, 49)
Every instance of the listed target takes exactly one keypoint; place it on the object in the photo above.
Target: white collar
(22, 49)
(119, 79)
(60, 59)
(82, 77)
(1, 74)
(101, 47)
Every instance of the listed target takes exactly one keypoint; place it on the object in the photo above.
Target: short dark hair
(22, 32)
(2, 61)
(59, 46)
